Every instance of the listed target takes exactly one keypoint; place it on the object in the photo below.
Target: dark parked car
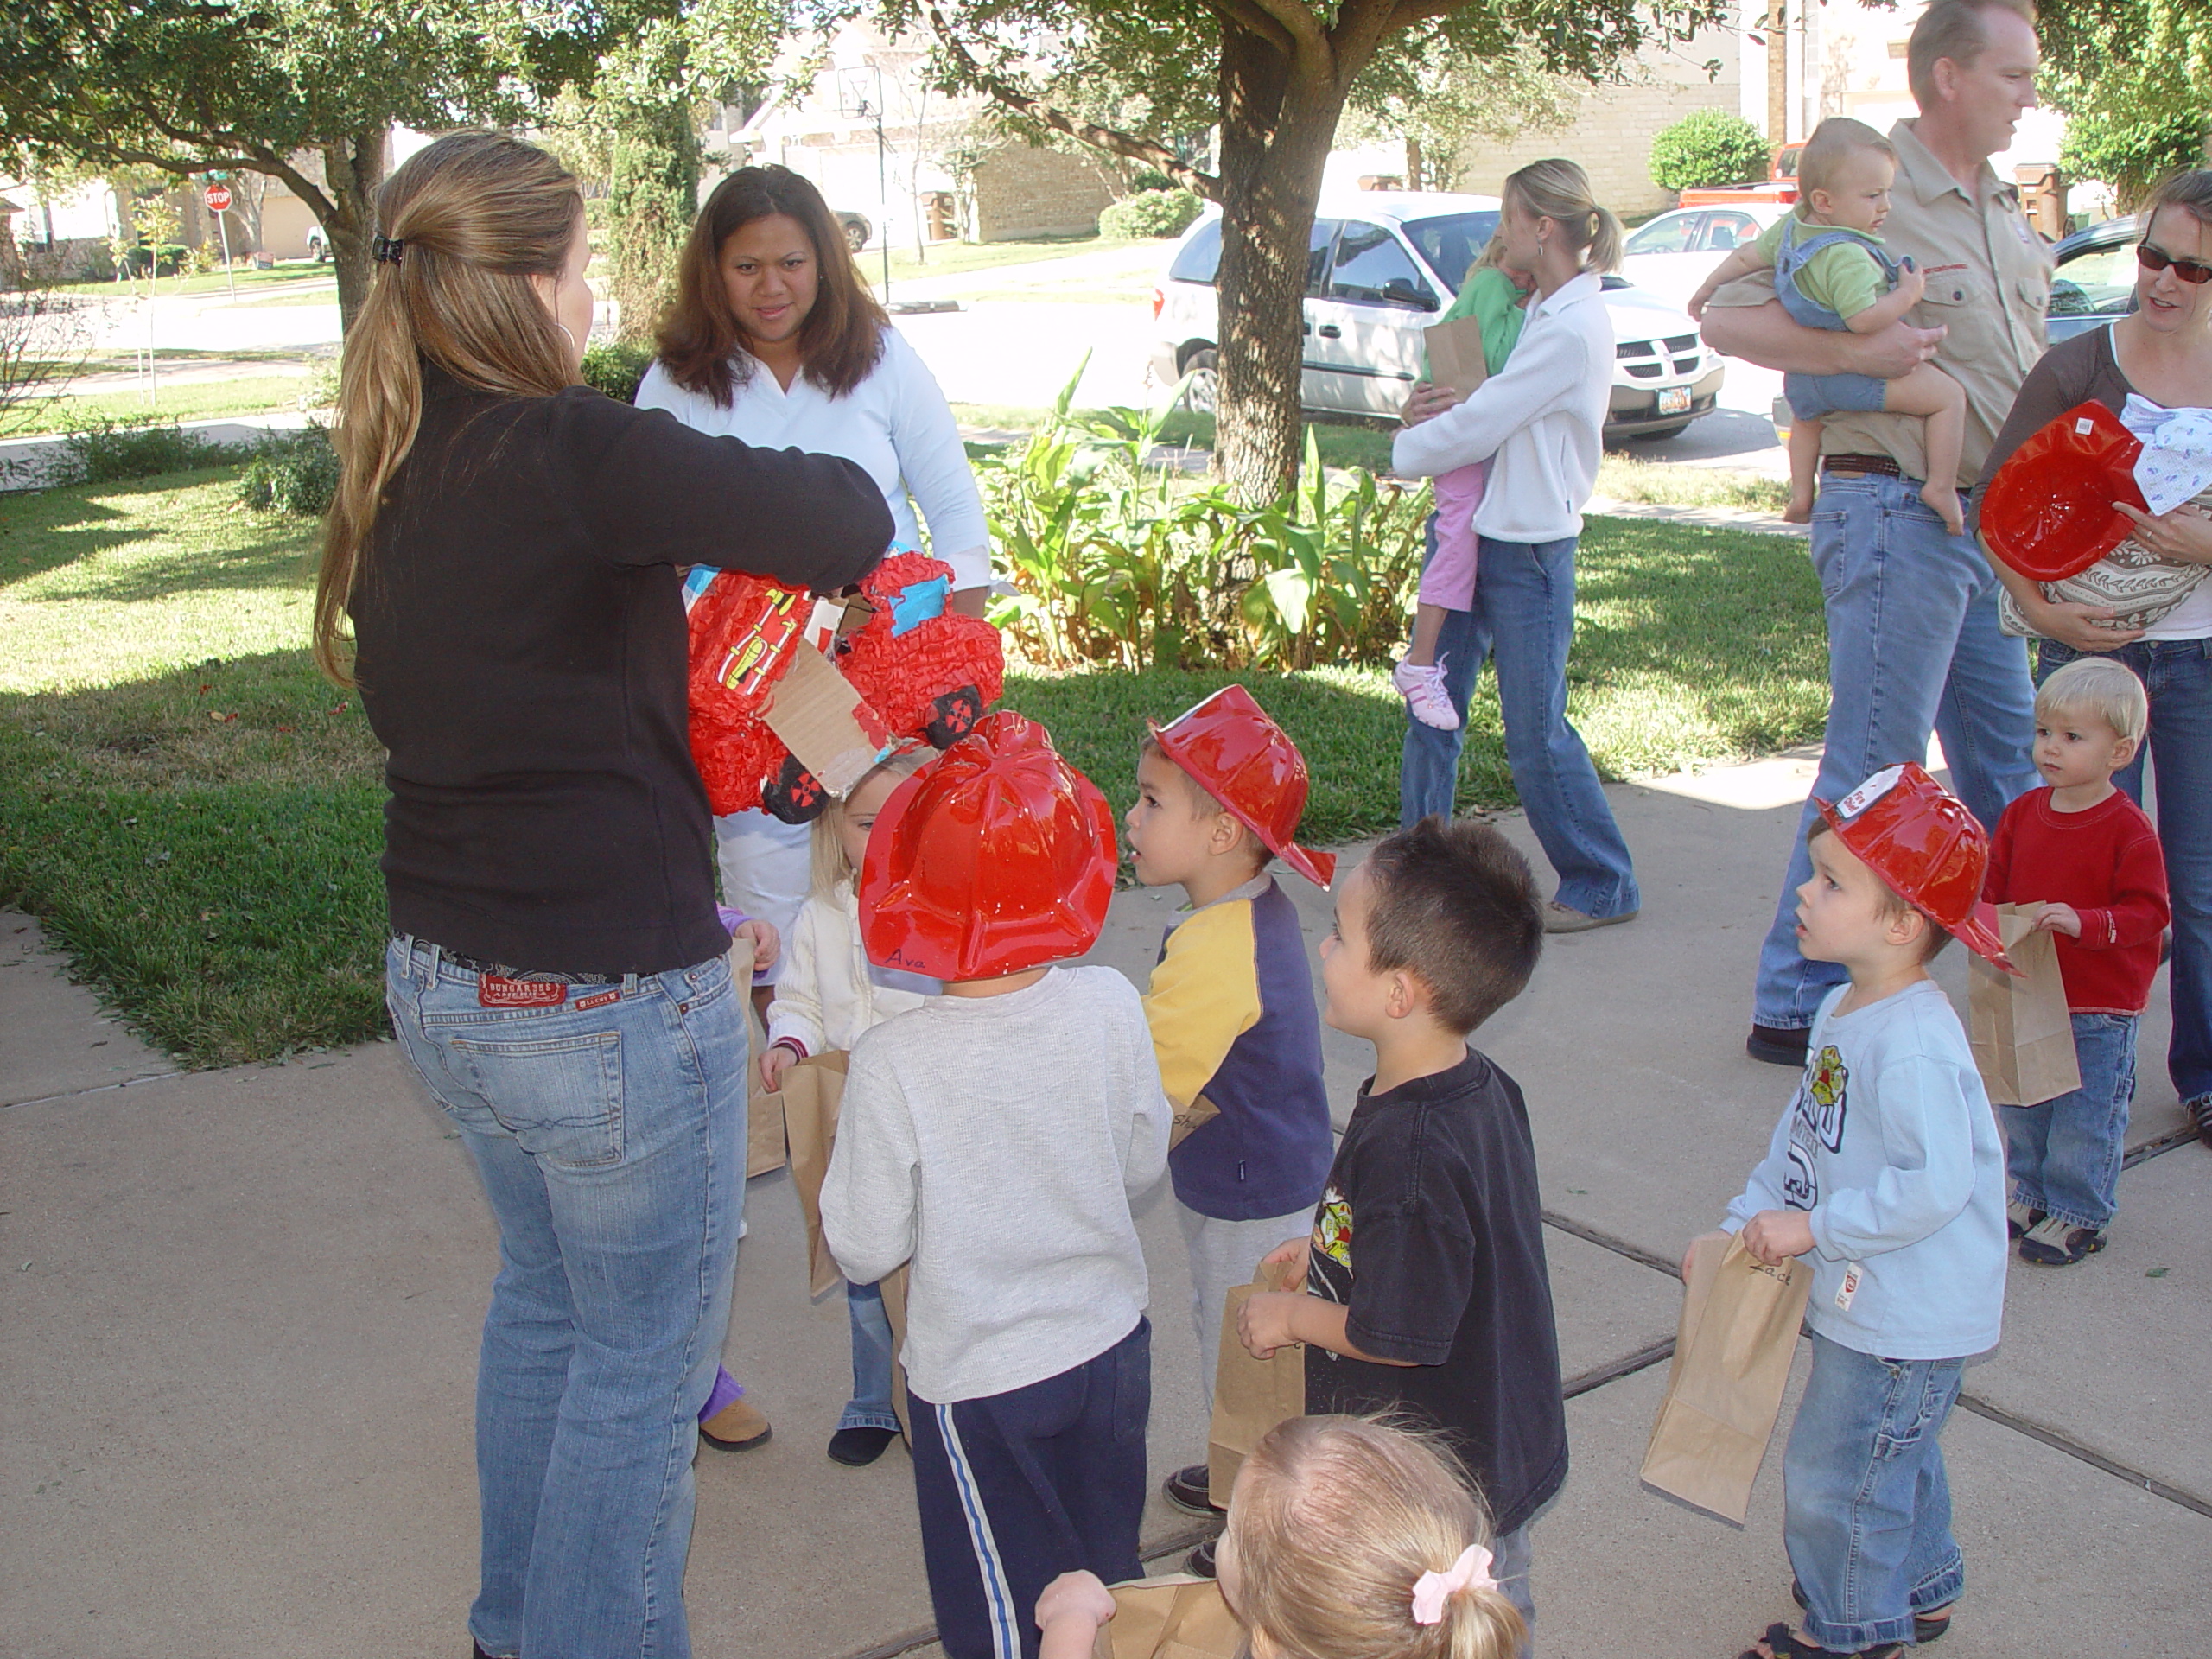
(2096, 278)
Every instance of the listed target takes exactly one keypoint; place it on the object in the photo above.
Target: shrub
(2132, 154)
(1706, 148)
(1150, 178)
(292, 471)
(1120, 563)
(100, 450)
(615, 367)
(1151, 212)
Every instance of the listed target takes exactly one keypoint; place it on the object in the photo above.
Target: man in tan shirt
(1913, 639)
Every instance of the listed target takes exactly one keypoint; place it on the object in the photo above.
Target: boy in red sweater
(2083, 855)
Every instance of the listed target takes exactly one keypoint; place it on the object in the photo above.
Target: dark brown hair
(842, 336)
(1455, 905)
(476, 215)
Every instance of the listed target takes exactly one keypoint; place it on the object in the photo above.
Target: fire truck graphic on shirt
(1815, 1121)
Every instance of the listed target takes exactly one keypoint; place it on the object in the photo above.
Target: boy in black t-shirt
(1426, 1288)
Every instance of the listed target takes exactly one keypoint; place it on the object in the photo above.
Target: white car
(1381, 266)
(1671, 255)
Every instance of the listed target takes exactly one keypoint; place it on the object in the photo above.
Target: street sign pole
(218, 198)
(223, 230)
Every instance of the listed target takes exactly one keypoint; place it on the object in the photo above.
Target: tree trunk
(352, 173)
(1275, 132)
(1416, 166)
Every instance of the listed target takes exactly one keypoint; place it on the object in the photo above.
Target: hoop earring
(570, 338)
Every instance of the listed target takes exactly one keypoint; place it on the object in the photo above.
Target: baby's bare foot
(1942, 500)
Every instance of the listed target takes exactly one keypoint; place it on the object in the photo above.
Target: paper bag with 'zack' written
(2023, 1033)
(1178, 1617)
(1731, 1361)
(812, 1090)
(1250, 1397)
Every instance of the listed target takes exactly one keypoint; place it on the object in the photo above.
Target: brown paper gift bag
(1250, 1397)
(1200, 1112)
(1724, 1391)
(1178, 1617)
(893, 1287)
(2022, 1034)
(1455, 355)
(811, 1092)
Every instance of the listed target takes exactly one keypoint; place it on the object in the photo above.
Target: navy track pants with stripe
(1017, 1488)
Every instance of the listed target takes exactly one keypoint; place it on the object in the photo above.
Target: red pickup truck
(1781, 185)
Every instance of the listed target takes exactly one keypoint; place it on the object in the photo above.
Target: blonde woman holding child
(1347, 1538)
(1538, 422)
(1831, 271)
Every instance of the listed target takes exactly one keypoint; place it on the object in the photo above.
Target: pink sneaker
(1423, 690)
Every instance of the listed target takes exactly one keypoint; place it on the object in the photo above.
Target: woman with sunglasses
(2160, 581)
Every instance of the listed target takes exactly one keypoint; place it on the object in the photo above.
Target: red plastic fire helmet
(1235, 753)
(997, 858)
(1920, 839)
(2049, 513)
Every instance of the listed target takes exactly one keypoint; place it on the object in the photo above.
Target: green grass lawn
(194, 814)
(949, 258)
(210, 282)
(191, 400)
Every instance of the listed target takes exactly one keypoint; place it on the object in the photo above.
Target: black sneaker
(1199, 1561)
(1189, 1489)
(2200, 1113)
(1778, 1045)
(856, 1448)
(2052, 1243)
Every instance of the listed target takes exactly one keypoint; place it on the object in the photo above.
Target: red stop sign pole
(218, 199)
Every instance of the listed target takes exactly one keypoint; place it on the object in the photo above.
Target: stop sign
(218, 197)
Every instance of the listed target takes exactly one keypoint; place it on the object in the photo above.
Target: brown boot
(738, 1426)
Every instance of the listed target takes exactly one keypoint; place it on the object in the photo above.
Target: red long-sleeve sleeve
(2105, 862)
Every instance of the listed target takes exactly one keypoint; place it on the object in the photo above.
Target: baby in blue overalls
(1830, 272)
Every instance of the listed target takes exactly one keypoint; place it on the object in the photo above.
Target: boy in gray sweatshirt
(1888, 1172)
(993, 1138)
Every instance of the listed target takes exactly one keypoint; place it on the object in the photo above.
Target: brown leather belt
(1861, 465)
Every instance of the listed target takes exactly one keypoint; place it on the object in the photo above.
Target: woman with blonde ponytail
(506, 544)
(1539, 421)
(1347, 1538)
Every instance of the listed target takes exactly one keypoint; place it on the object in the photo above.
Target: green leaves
(1119, 561)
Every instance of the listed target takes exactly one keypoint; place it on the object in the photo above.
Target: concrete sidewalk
(240, 1312)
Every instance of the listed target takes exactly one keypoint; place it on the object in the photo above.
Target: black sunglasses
(2187, 269)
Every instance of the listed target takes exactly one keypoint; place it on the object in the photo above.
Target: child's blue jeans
(870, 1405)
(1866, 1507)
(2064, 1155)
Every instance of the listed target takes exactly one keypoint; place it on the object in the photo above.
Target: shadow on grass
(49, 531)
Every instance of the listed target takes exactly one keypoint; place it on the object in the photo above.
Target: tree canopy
(188, 86)
(2134, 78)
(1274, 77)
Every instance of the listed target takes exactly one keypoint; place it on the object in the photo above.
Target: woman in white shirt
(774, 339)
(1538, 421)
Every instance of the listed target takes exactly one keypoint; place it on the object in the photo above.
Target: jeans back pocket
(561, 1097)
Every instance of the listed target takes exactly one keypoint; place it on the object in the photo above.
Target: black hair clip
(386, 250)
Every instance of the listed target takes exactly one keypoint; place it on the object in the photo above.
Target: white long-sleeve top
(1542, 417)
(995, 1143)
(895, 423)
(829, 993)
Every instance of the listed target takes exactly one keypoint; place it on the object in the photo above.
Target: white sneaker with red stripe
(1423, 690)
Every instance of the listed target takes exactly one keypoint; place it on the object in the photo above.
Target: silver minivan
(1380, 265)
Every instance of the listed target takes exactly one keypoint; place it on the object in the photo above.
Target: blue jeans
(611, 1143)
(1913, 646)
(870, 1405)
(2063, 1155)
(1523, 622)
(1866, 1506)
(2178, 675)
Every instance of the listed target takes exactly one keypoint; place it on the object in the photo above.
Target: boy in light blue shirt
(1888, 1173)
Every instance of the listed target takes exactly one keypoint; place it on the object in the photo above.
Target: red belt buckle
(494, 991)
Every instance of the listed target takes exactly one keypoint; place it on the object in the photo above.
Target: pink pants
(1449, 581)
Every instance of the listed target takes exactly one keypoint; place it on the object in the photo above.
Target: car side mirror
(1399, 291)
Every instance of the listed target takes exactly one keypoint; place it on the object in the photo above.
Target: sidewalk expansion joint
(1650, 1259)
(2166, 1143)
(2096, 1460)
(97, 1088)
